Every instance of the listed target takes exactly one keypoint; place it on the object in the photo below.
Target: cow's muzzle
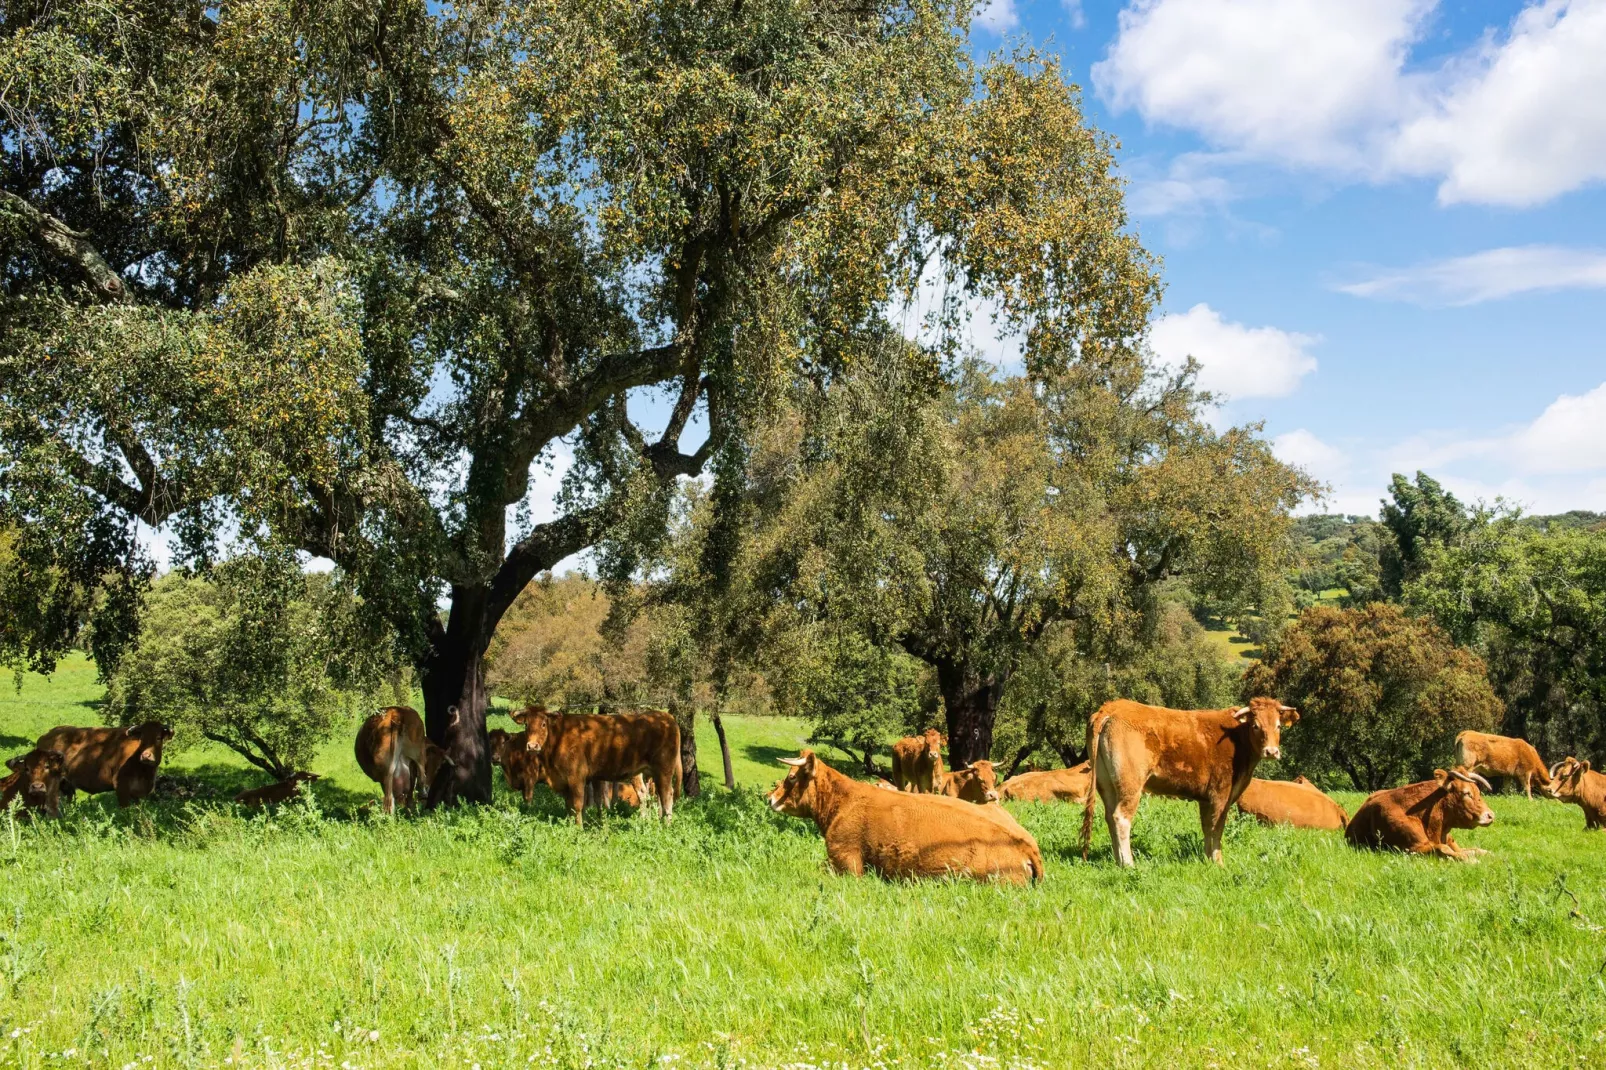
(1274, 753)
(1486, 818)
(148, 757)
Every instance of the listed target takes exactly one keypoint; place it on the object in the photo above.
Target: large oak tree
(339, 276)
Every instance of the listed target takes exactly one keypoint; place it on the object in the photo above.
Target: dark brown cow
(1050, 785)
(1575, 782)
(576, 748)
(283, 791)
(521, 767)
(1295, 802)
(35, 777)
(1208, 756)
(901, 834)
(1418, 817)
(123, 760)
(917, 762)
(394, 752)
(975, 783)
(1494, 755)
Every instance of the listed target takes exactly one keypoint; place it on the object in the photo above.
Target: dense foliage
(1381, 695)
(261, 657)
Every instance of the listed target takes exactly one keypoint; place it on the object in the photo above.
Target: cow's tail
(1034, 864)
(1092, 784)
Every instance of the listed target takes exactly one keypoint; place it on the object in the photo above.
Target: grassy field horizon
(188, 933)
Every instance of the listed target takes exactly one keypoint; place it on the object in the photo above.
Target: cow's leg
(663, 781)
(576, 796)
(1213, 822)
(845, 861)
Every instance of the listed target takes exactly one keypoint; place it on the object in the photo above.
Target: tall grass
(184, 933)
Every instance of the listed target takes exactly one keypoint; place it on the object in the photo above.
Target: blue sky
(1383, 223)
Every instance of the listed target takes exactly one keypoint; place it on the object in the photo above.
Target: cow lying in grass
(975, 783)
(1050, 785)
(123, 760)
(271, 794)
(35, 777)
(1575, 782)
(904, 834)
(1295, 802)
(1418, 818)
(574, 749)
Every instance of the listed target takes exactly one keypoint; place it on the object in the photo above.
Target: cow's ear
(1241, 715)
(1583, 767)
(1442, 776)
(15, 763)
(1289, 715)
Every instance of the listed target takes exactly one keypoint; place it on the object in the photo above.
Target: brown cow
(1050, 785)
(1575, 782)
(36, 777)
(917, 762)
(521, 767)
(975, 783)
(283, 791)
(123, 760)
(602, 794)
(576, 748)
(1208, 756)
(1503, 756)
(904, 835)
(1295, 802)
(1418, 817)
(394, 753)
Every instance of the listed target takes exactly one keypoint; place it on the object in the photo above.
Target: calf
(1493, 755)
(1208, 756)
(1418, 817)
(283, 791)
(1050, 785)
(903, 834)
(1575, 782)
(521, 766)
(1295, 802)
(917, 762)
(123, 760)
(975, 783)
(394, 753)
(602, 794)
(575, 749)
(36, 777)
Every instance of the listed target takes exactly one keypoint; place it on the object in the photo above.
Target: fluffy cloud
(1569, 436)
(1313, 83)
(997, 15)
(1487, 276)
(1236, 361)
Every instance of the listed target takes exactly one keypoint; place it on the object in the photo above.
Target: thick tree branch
(68, 245)
(538, 551)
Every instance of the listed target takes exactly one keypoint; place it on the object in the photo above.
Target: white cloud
(997, 16)
(1526, 119)
(1074, 13)
(1236, 361)
(1324, 85)
(1303, 448)
(1488, 275)
(1569, 436)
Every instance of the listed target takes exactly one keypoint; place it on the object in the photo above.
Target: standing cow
(1494, 755)
(577, 748)
(902, 834)
(123, 760)
(1208, 756)
(394, 753)
(36, 777)
(1575, 782)
(1418, 817)
(917, 762)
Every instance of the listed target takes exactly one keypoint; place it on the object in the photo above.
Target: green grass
(179, 934)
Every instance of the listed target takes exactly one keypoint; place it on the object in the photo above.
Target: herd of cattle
(927, 821)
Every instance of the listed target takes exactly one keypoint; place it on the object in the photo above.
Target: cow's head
(1265, 718)
(1567, 779)
(1464, 807)
(537, 727)
(150, 736)
(794, 796)
(980, 782)
(40, 772)
(435, 759)
(934, 741)
(497, 741)
(301, 776)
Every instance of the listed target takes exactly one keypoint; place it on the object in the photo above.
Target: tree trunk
(453, 675)
(725, 753)
(685, 715)
(971, 704)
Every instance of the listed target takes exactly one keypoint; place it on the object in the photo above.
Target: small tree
(259, 658)
(1419, 516)
(1381, 695)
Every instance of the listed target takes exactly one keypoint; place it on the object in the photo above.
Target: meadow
(183, 932)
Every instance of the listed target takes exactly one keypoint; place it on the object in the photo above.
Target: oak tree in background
(1420, 516)
(1381, 695)
(339, 276)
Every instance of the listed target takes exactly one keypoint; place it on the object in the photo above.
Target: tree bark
(453, 679)
(970, 702)
(725, 753)
(691, 779)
